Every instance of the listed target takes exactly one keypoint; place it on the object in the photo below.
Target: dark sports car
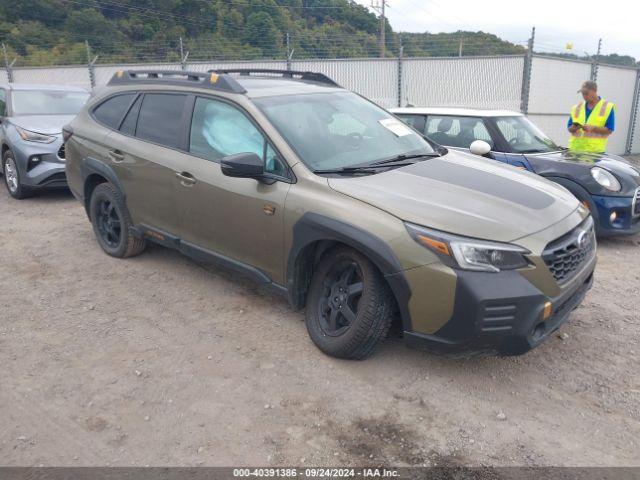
(607, 184)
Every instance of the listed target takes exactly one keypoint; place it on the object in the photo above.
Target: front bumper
(48, 172)
(502, 314)
(625, 224)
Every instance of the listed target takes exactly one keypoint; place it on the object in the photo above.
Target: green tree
(261, 31)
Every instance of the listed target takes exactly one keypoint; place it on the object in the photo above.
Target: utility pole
(383, 24)
(460, 49)
(596, 60)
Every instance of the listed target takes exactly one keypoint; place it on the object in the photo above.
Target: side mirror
(480, 147)
(242, 165)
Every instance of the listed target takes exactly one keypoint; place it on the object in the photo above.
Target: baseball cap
(588, 85)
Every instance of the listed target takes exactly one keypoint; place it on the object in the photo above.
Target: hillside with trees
(54, 32)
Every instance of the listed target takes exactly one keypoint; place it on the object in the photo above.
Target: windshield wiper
(537, 150)
(400, 158)
(397, 161)
(371, 168)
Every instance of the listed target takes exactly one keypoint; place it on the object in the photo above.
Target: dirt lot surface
(158, 360)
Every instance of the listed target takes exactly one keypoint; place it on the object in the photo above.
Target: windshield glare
(47, 102)
(340, 129)
(523, 136)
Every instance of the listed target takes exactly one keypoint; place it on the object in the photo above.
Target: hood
(611, 162)
(465, 195)
(578, 166)
(46, 124)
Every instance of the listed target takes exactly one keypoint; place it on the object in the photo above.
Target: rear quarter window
(111, 111)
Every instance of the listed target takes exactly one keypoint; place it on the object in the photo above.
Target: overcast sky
(557, 22)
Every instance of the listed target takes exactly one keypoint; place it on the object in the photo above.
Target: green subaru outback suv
(335, 203)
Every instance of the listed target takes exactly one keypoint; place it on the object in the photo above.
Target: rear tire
(12, 177)
(112, 223)
(350, 305)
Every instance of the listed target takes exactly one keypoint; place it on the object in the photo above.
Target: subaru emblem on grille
(582, 239)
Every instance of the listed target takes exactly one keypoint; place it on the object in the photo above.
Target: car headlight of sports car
(469, 253)
(30, 136)
(605, 179)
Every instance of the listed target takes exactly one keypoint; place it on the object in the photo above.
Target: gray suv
(31, 121)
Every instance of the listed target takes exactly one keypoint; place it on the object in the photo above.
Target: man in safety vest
(591, 121)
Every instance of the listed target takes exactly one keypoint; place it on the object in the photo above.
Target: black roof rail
(298, 75)
(213, 80)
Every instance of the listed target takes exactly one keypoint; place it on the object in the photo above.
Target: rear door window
(456, 131)
(111, 111)
(128, 126)
(159, 119)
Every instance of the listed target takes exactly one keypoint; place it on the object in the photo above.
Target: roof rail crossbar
(212, 80)
(305, 76)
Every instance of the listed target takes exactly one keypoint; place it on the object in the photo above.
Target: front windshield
(47, 102)
(340, 129)
(523, 136)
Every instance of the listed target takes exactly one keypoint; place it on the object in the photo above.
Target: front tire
(12, 177)
(112, 223)
(350, 306)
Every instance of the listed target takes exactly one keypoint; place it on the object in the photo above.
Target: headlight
(30, 136)
(605, 179)
(469, 253)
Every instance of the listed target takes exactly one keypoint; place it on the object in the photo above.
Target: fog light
(613, 217)
(33, 162)
(546, 313)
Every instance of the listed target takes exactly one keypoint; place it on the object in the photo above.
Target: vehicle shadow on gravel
(619, 241)
(45, 196)
(391, 350)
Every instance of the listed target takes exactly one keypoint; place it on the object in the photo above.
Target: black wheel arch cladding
(314, 231)
(92, 167)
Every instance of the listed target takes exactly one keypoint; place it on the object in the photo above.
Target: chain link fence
(543, 87)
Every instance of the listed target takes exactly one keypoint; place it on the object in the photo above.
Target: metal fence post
(8, 66)
(526, 74)
(289, 51)
(633, 122)
(400, 61)
(91, 65)
(595, 62)
(183, 56)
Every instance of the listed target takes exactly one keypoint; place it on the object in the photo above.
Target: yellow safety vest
(582, 141)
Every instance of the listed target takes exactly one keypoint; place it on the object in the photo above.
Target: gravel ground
(159, 360)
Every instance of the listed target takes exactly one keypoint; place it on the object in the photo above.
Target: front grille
(567, 254)
(636, 203)
(61, 151)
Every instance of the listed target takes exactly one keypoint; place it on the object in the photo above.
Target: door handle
(186, 178)
(116, 156)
